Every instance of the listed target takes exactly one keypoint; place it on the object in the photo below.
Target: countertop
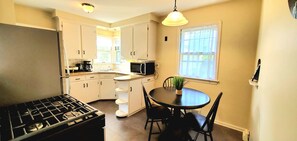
(128, 77)
(97, 72)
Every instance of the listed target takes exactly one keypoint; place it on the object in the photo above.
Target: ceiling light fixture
(89, 8)
(175, 18)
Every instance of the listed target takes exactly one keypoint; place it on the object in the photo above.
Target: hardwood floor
(132, 128)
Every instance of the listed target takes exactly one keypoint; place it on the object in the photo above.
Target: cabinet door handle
(130, 89)
(100, 82)
(148, 79)
(84, 52)
(77, 78)
(92, 77)
(84, 85)
(133, 52)
(78, 51)
(87, 85)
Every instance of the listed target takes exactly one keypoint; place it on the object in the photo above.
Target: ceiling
(111, 11)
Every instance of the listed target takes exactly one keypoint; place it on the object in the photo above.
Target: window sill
(214, 82)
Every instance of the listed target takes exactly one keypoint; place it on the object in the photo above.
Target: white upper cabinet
(140, 38)
(71, 40)
(127, 42)
(79, 40)
(88, 39)
(139, 41)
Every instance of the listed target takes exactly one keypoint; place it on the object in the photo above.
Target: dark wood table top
(190, 98)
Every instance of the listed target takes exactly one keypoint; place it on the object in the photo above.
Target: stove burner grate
(34, 127)
(21, 120)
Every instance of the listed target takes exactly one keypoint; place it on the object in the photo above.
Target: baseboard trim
(231, 126)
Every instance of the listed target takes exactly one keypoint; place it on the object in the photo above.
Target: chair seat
(196, 121)
(202, 124)
(159, 112)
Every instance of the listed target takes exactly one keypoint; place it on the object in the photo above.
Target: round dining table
(189, 99)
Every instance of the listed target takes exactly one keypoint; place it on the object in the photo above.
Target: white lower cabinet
(107, 86)
(85, 88)
(129, 97)
(149, 84)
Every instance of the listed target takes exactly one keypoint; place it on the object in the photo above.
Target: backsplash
(123, 67)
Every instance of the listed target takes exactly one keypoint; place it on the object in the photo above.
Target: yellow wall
(34, 17)
(274, 106)
(240, 24)
(7, 11)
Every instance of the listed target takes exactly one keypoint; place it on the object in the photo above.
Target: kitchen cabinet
(149, 84)
(88, 42)
(85, 88)
(71, 39)
(79, 40)
(129, 97)
(127, 42)
(107, 86)
(135, 96)
(139, 41)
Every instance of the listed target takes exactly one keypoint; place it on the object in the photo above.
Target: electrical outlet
(245, 135)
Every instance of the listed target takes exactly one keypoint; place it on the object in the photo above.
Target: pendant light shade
(175, 18)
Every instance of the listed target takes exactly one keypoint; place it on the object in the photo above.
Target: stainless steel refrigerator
(30, 64)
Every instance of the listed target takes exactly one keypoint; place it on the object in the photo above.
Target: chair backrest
(210, 118)
(147, 101)
(168, 82)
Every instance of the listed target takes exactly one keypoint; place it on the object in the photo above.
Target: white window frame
(219, 25)
(109, 51)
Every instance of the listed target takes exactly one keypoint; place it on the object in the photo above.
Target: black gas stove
(56, 118)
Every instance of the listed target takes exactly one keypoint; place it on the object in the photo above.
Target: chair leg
(205, 137)
(146, 123)
(158, 127)
(151, 128)
(210, 135)
(196, 137)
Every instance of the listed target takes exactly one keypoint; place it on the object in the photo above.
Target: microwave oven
(143, 67)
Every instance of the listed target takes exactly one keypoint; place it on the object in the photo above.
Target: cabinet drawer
(111, 76)
(148, 79)
(90, 77)
(77, 78)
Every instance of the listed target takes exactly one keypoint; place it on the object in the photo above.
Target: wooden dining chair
(154, 113)
(202, 124)
(168, 82)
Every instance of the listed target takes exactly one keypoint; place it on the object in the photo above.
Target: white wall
(274, 103)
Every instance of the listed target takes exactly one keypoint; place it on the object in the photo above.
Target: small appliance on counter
(72, 69)
(80, 67)
(87, 66)
(143, 67)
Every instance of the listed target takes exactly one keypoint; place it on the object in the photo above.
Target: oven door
(89, 130)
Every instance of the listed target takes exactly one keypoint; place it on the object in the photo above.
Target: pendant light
(175, 18)
(89, 8)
